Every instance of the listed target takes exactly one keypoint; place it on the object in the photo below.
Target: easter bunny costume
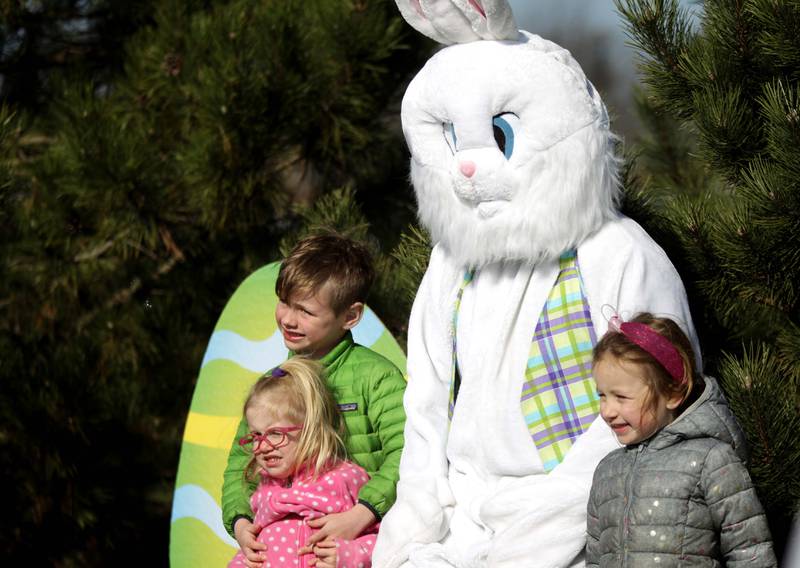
(513, 164)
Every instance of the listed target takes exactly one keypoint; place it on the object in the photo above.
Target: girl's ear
(674, 400)
(353, 315)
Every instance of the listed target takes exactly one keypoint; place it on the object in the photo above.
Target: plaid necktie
(559, 397)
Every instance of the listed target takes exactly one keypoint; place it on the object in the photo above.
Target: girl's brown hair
(300, 396)
(659, 382)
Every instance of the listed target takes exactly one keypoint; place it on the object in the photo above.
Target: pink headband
(654, 343)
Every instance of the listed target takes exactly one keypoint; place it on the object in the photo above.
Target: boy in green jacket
(321, 289)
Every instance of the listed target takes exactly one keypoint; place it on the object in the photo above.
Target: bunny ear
(460, 21)
(490, 19)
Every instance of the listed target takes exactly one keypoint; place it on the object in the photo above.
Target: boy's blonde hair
(327, 261)
(299, 395)
(659, 382)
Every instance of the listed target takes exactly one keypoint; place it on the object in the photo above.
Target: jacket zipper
(628, 501)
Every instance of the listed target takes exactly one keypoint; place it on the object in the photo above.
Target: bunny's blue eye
(450, 135)
(503, 128)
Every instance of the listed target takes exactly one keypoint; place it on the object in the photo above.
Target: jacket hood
(708, 417)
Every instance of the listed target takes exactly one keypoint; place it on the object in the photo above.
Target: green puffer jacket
(682, 498)
(369, 390)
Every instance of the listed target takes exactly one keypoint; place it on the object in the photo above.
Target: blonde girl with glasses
(298, 459)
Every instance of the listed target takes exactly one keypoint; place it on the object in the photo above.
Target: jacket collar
(334, 358)
(337, 355)
(707, 417)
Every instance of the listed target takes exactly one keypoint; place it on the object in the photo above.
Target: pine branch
(756, 389)
(729, 133)
(661, 32)
(779, 35)
(94, 252)
(780, 107)
(124, 295)
(666, 153)
(399, 275)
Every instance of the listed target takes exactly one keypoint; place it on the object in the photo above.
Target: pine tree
(62, 38)
(722, 103)
(133, 204)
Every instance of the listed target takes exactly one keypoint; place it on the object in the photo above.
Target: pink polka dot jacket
(284, 512)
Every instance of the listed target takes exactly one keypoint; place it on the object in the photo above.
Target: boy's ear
(353, 315)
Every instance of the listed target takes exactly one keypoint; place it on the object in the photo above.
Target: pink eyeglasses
(274, 438)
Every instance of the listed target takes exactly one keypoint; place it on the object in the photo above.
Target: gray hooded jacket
(682, 498)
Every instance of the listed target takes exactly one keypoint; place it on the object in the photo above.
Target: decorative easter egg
(245, 343)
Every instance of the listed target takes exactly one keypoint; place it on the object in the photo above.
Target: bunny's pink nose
(467, 168)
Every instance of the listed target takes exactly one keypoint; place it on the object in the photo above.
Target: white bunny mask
(512, 158)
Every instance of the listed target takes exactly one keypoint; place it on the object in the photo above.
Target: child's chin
(278, 473)
(279, 476)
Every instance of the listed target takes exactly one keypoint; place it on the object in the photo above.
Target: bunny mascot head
(512, 157)
(513, 166)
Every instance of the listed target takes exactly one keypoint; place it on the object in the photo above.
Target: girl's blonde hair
(296, 392)
(658, 380)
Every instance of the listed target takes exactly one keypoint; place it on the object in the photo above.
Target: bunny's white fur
(474, 491)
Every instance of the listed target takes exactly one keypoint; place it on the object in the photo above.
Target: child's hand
(246, 533)
(347, 525)
(324, 554)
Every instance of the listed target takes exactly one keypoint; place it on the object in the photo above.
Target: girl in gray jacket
(678, 492)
